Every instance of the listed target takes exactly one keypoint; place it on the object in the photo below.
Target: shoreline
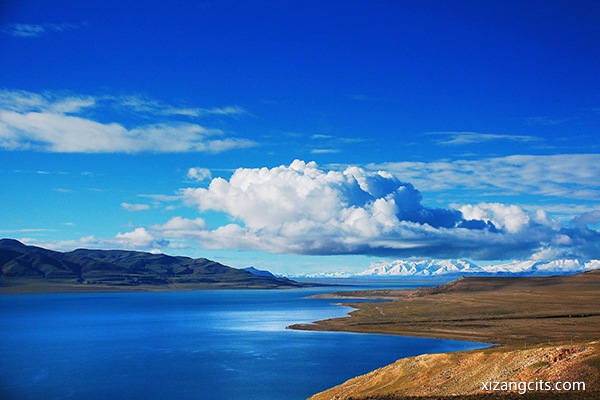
(57, 287)
(549, 323)
(502, 311)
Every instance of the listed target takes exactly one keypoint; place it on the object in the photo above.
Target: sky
(303, 136)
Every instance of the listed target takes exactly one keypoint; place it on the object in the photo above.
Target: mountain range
(31, 269)
(451, 268)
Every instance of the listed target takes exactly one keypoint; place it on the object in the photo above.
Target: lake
(220, 344)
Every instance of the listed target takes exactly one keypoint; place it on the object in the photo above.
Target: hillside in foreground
(30, 269)
(545, 328)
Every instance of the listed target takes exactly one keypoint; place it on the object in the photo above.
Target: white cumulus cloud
(509, 217)
(304, 209)
(179, 227)
(139, 237)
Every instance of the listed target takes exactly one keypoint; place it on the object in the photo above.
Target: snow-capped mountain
(551, 267)
(456, 268)
(420, 268)
(461, 267)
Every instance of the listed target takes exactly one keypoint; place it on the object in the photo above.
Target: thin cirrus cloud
(574, 176)
(329, 144)
(325, 151)
(135, 207)
(142, 104)
(464, 138)
(55, 122)
(37, 30)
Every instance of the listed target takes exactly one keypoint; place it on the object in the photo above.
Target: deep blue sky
(482, 117)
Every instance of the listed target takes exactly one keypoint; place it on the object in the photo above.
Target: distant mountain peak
(258, 272)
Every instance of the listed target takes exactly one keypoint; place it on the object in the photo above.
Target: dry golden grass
(529, 318)
(516, 312)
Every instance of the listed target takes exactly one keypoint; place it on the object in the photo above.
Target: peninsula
(543, 328)
(31, 269)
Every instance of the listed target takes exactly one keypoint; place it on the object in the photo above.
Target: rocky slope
(463, 374)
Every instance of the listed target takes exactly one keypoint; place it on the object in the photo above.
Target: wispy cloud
(318, 136)
(37, 30)
(27, 230)
(325, 151)
(142, 104)
(330, 144)
(21, 101)
(135, 207)
(544, 121)
(40, 172)
(462, 138)
(57, 122)
(161, 197)
(575, 176)
(199, 174)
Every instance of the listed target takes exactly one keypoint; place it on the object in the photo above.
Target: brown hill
(457, 375)
(533, 320)
(35, 269)
(481, 284)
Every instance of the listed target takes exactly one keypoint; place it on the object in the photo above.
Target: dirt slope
(463, 373)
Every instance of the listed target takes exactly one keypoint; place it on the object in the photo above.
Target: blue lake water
(184, 345)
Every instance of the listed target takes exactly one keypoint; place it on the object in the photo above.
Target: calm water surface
(184, 345)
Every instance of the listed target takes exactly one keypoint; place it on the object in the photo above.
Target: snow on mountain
(551, 267)
(429, 267)
(420, 268)
(461, 267)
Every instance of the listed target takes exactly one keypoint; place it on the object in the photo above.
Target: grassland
(543, 328)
